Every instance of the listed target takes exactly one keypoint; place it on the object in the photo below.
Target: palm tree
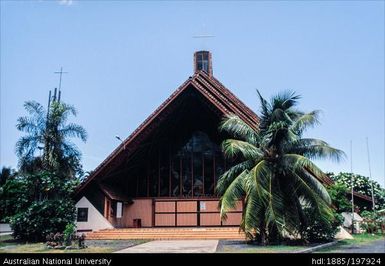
(273, 172)
(48, 132)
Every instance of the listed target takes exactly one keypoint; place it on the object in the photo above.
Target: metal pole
(352, 183)
(370, 174)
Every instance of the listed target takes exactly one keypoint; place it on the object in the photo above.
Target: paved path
(174, 246)
(377, 246)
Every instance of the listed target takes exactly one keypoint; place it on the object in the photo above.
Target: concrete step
(168, 233)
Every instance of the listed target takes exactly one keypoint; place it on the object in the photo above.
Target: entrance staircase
(206, 233)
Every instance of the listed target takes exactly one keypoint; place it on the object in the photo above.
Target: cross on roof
(203, 36)
(61, 73)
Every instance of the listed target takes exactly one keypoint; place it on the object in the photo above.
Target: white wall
(95, 221)
(5, 228)
(348, 221)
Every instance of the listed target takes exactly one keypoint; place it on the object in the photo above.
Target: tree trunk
(262, 233)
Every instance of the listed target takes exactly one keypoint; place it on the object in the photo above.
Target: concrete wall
(95, 220)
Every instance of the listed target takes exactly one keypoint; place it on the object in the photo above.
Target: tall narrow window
(119, 209)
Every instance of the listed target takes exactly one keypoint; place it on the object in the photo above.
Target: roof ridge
(231, 95)
(138, 129)
(225, 102)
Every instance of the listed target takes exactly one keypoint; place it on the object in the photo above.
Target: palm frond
(308, 175)
(316, 149)
(236, 127)
(27, 124)
(306, 120)
(26, 146)
(233, 193)
(34, 108)
(227, 177)
(232, 148)
(261, 173)
(253, 214)
(74, 130)
(284, 100)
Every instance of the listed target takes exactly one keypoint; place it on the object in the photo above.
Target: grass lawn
(359, 239)
(8, 245)
(242, 247)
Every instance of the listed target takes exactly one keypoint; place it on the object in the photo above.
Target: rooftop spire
(203, 62)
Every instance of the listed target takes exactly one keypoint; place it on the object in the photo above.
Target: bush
(14, 197)
(42, 218)
(66, 239)
(69, 234)
(338, 196)
(373, 222)
(320, 230)
(363, 185)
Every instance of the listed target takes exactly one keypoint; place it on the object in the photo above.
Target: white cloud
(66, 2)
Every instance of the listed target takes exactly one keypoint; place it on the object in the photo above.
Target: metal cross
(61, 73)
(203, 37)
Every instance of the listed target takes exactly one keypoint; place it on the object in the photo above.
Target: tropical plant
(15, 196)
(42, 218)
(47, 180)
(338, 194)
(363, 185)
(373, 222)
(273, 173)
(69, 233)
(317, 230)
(48, 131)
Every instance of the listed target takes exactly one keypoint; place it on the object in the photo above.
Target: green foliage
(318, 230)
(49, 132)
(69, 233)
(338, 194)
(48, 209)
(373, 222)
(39, 201)
(363, 185)
(66, 239)
(275, 175)
(15, 196)
(42, 218)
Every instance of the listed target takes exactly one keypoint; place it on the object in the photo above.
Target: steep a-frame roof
(215, 92)
(209, 87)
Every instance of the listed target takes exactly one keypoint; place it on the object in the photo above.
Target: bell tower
(203, 62)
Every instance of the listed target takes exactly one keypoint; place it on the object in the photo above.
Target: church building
(164, 174)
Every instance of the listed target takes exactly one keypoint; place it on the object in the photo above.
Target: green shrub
(373, 222)
(338, 194)
(320, 230)
(363, 185)
(42, 218)
(69, 234)
(14, 197)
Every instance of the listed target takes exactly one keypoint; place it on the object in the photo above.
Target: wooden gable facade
(165, 172)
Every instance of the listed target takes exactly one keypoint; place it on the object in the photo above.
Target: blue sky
(125, 58)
